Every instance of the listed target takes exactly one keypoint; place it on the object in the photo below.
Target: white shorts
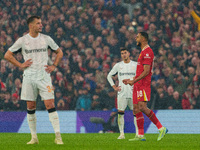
(123, 102)
(31, 89)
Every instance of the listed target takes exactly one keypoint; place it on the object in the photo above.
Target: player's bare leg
(121, 124)
(31, 117)
(149, 113)
(53, 117)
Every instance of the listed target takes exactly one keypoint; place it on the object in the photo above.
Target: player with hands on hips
(124, 69)
(36, 76)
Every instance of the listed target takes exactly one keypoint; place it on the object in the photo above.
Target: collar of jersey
(145, 47)
(33, 37)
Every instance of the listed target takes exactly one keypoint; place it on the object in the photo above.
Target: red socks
(154, 119)
(140, 123)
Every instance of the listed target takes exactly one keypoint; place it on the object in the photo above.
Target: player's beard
(138, 44)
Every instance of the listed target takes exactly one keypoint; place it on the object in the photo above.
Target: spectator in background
(14, 103)
(84, 101)
(78, 80)
(175, 103)
(17, 86)
(170, 91)
(59, 102)
(2, 86)
(196, 99)
(84, 26)
(131, 6)
(187, 99)
(118, 8)
(161, 99)
(6, 101)
(9, 83)
(96, 104)
(109, 101)
(179, 83)
(69, 96)
(3, 73)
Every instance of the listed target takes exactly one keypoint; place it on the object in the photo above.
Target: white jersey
(124, 71)
(37, 50)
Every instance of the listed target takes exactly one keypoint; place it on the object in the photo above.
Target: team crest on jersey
(147, 56)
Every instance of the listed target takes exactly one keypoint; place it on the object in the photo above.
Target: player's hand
(130, 82)
(49, 69)
(26, 64)
(125, 81)
(118, 89)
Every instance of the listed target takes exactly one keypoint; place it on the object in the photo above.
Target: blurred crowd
(90, 33)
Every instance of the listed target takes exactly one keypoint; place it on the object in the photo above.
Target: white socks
(32, 124)
(53, 117)
(121, 123)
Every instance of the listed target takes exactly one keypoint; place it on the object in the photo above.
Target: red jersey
(146, 57)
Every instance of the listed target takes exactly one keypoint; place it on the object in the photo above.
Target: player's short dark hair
(31, 19)
(145, 35)
(124, 49)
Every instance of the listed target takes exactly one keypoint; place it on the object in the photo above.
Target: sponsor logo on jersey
(35, 50)
(126, 73)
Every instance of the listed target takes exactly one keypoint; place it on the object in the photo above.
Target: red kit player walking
(142, 89)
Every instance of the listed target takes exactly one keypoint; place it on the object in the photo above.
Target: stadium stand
(90, 33)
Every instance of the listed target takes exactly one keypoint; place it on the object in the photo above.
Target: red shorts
(141, 93)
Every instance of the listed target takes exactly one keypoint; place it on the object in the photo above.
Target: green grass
(108, 141)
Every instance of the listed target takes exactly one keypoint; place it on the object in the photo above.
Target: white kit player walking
(125, 69)
(36, 77)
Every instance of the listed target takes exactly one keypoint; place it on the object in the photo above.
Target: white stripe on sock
(136, 126)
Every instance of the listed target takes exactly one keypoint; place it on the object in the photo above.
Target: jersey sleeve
(147, 58)
(52, 43)
(16, 46)
(112, 72)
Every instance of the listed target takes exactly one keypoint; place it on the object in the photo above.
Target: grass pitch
(107, 141)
